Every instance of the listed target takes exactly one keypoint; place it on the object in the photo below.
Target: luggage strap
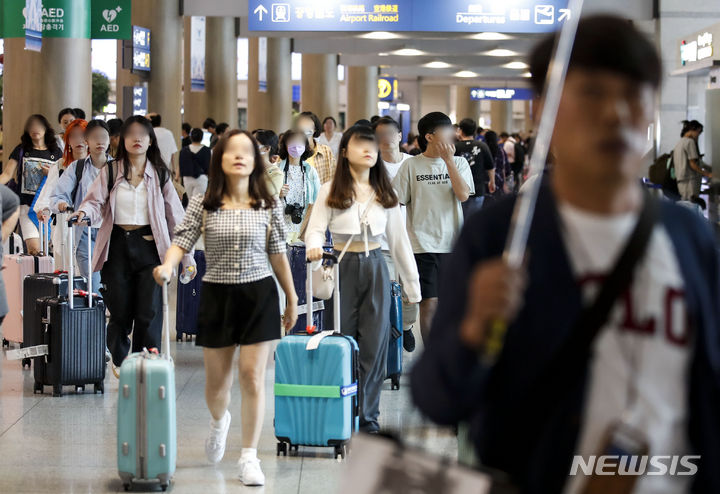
(314, 342)
(27, 352)
(315, 390)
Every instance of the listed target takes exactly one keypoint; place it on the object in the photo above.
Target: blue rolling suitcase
(188, 301)
(316, 388)
(296, 256)
(395, 350)
(146, 420)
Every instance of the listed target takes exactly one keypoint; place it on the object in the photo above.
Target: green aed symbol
(110, 19)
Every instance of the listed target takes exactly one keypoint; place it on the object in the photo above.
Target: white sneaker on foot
(215, 444)
(250, 472)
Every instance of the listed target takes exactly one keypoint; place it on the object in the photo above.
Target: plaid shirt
(324, 162)
(236, 240)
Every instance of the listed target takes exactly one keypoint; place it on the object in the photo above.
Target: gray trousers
(364, 315)
(690, 187)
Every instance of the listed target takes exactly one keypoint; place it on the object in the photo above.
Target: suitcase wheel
(340, 452)
(37, 388)
(6, 343)
(126, 487)
(282, 448)
(179, 336)
(80, 389)
(294, 448)
(99, 388)
(395, 383)
(57, 390)
(26, 362)
(164, 487)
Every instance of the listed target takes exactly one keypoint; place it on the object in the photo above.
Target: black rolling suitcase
(73, 328)
(42, 285)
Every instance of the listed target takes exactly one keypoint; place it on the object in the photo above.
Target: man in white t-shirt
(568, 404)
(433, 185)
(389, 136)
(166, 142)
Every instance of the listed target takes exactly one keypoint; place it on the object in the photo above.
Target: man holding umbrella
(611, 344)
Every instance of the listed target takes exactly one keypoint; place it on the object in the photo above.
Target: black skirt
(240, 314)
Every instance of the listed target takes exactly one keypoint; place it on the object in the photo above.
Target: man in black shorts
(433, 185)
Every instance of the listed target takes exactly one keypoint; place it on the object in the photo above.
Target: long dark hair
(153, 151)
(491, 139)
(342, 192)
(49, 138)
(257, 188)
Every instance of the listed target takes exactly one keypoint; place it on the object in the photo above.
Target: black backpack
(662, 172)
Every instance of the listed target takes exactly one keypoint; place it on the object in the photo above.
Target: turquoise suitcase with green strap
(147, 430)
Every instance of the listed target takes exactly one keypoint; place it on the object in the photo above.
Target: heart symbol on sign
(109, 15)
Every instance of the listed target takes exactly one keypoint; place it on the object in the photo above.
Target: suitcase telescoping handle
(327, 256)
(166, 320)
(44, 230)
(71, 269)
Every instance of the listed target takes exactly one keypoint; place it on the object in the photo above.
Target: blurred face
(458, 134)
(239, 157)
(601, 129)
(444, 134)
(115, 141)
(361, 153)
(137, 139)
(296, 146)
(76, 141)
(65, 120)
(388, 136)
(36, 130)
(98, 140)
(329, 126)
(306, 126)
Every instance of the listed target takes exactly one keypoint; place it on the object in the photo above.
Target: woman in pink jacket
(137, 204)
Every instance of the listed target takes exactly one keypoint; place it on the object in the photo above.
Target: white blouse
(131, 204)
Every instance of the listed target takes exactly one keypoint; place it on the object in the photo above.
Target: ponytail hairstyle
(690, 125)
(342, 192)
(68, 156)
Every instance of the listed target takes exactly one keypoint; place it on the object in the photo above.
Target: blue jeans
(81, 255)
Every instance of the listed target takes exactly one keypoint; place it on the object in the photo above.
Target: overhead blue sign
(521, 16)
(481, 93)
(141, 48)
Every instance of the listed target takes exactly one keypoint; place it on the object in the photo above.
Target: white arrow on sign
(564, 15)
(260, 10)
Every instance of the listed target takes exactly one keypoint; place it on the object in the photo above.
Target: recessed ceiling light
(490, 36)
(408, 52)
(380, 35)
(516, 65)
(526, 74)
(501, 52)
(465, 73)
(382, 54)
(437, 65)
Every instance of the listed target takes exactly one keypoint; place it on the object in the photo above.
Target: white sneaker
(250, 472)
(215, 444)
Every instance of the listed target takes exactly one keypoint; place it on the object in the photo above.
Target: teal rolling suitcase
(146, 437)
(316, 388)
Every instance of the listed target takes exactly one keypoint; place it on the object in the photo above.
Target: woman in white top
(330, 137)
(361, 182)
(76, 148)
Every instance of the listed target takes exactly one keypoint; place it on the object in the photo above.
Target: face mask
(296, 150)
(309, 133)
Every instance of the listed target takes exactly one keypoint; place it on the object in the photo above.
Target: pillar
(221, 70)
(22, 91)
(67, 76)
(362, 90)
(529, 124)
(501, 116)
(465, 107)
(141, 15)
(195, 108)
(319, 86)
(271, 109)
(166, 46)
